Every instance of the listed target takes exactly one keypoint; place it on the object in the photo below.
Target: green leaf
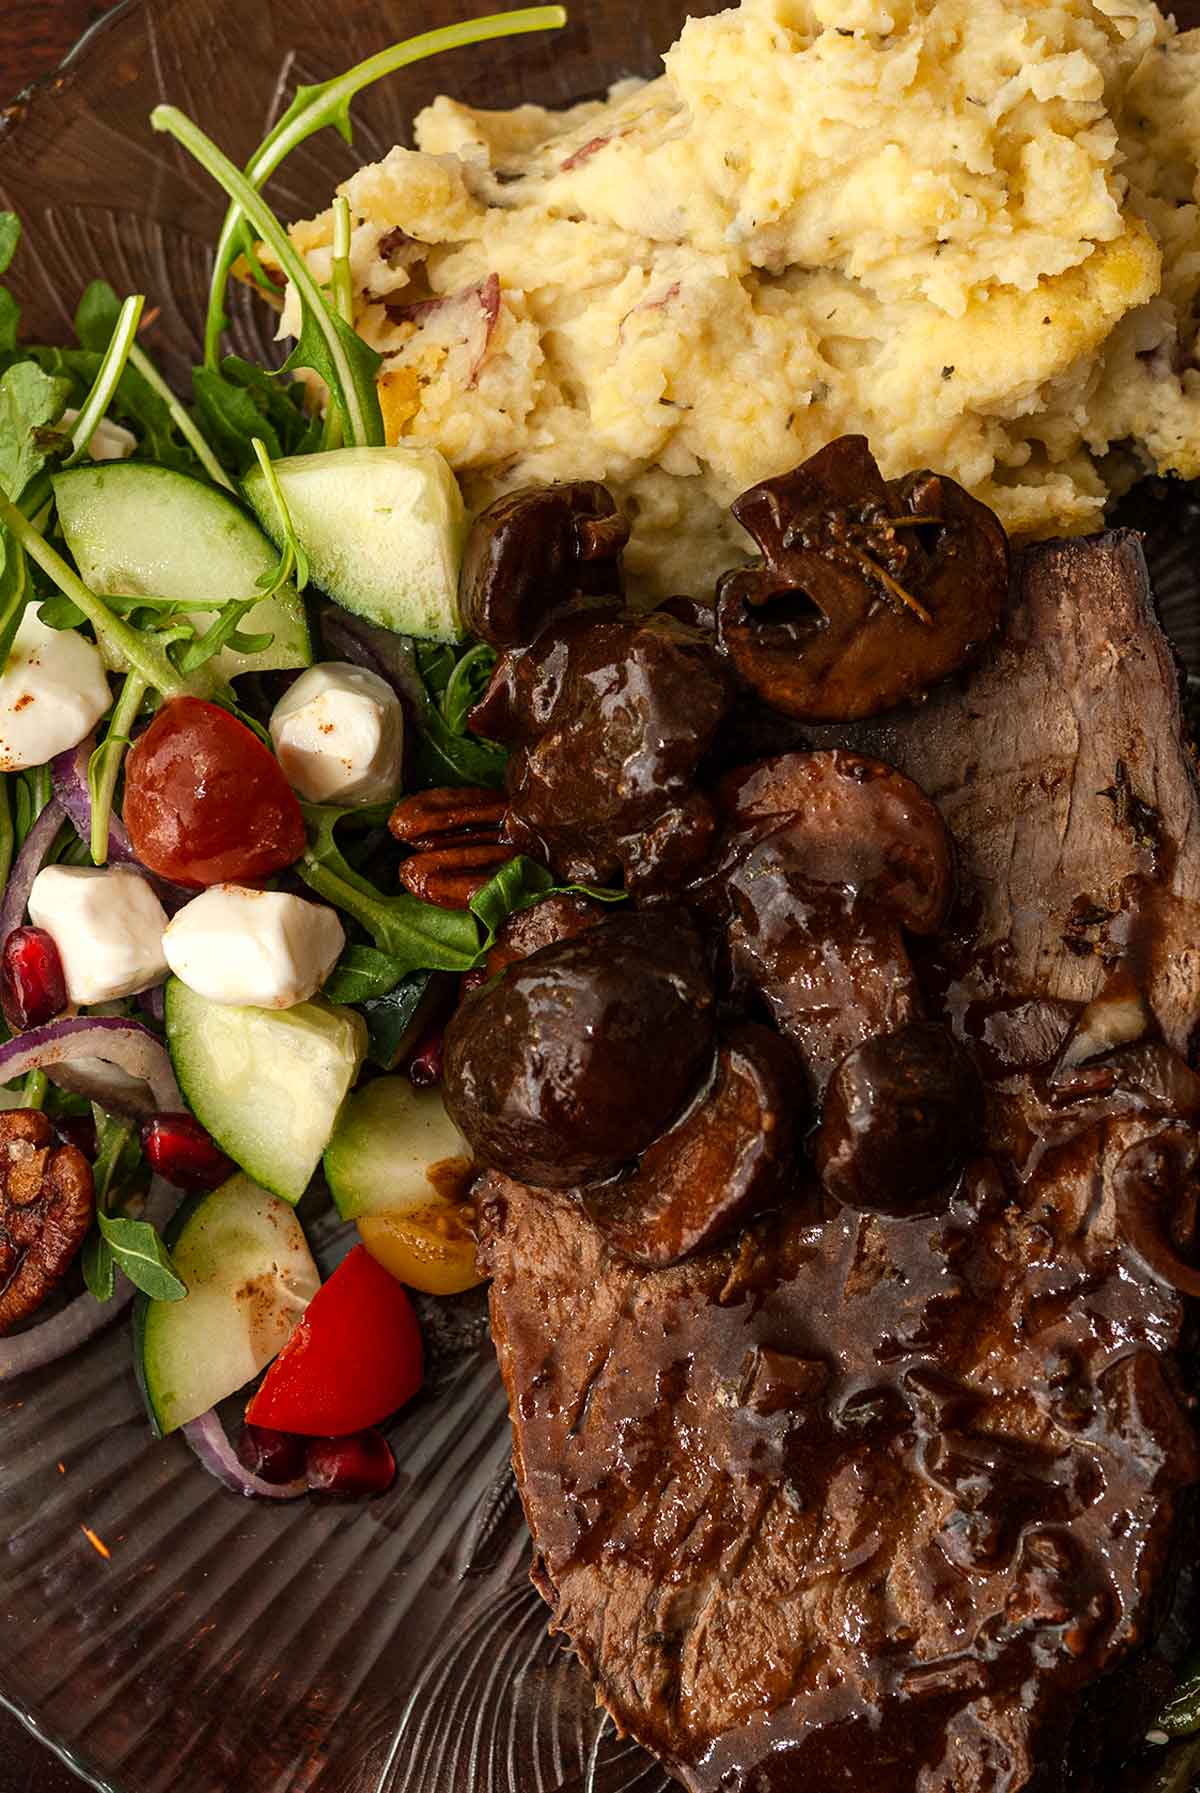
(10, 321)
(30, 400)
(10, 237)
(141, 1254)
(329, 104)
(99, 1267)
(326, 345)
(239, 402)
(442, 757)
(15, 592)
(520, 884)
(292, 558)
(466, 685)
(96, 316)
(1180, 1717)
(362, 974)
(418, 936)
(389, 1018)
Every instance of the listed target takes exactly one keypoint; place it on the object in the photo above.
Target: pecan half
(450, 876)
(46, 1200)
(449, 815)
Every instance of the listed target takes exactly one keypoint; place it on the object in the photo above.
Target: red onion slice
(64, 1332)
(126, 1044)
(210, 1441)
(28, 864)
(70, 774)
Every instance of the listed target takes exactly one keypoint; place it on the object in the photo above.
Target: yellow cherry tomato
(430, 1248)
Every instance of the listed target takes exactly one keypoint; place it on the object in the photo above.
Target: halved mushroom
(560, 1071)
(902, 1113)
(535, 549)
(849, 821)
(866, 593)
(830, 857)
(731, 1155)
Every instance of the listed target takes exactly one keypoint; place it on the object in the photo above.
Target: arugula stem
(33, 1090)
(138, 649)
(345, 362)
(105, 763)
(329, 103)
(181, 418)
(108, 377)
(343, 300)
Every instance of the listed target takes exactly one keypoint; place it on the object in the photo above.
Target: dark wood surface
(35, 35)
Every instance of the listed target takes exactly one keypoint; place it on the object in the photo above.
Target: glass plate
(395, 1647)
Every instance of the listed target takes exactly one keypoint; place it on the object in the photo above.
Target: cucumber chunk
(394, 1149)
(383, 529)
(135, 529)
(267, 1083)
(249, 1275)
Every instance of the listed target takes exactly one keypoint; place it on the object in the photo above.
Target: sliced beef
(861, 1502)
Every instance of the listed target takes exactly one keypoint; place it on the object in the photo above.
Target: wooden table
(34, 36)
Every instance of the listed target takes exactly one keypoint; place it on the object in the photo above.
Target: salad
(250, 848)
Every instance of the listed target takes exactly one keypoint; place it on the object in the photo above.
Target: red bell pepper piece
(353, 1359)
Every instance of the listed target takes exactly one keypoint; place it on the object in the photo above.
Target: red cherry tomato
(206, 802)
(354, 1358)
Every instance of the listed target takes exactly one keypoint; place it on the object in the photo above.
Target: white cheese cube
(53, 692)
(259, 949)
(108, 927)
(339, 735)
(110, 441)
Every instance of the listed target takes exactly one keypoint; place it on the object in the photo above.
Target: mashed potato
(965, 228)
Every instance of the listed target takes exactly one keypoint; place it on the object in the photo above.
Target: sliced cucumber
(136, 529)
(383, 529)
(249, 1276)
(267, 1083)
(394, 1149)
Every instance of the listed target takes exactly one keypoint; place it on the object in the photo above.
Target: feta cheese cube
(110, 441)
(108, 926)
(260, 949)
(339, 735)
(53, 692)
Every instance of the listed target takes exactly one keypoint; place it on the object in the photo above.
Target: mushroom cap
(560, 1071)
(534, 550)
(856, 604)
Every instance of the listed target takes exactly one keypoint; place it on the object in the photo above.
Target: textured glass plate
(395, 1646)
(390, 1648)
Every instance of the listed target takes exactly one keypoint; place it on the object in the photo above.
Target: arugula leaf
(292, 557)
(224, 632)
(99, 1267)
(138, 1250)
(466, 685)
(362, 974)
(389, 1018)
(328, 103)
(240, 402)
(30, 400)
(96, 316)
(10, 311)
(417, 936)
(521, 884)
(326, 345)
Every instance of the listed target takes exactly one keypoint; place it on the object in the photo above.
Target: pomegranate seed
(33, 986)
(351, 1467)
(272, 1456)
(425, 1066)
(179, 1149)
(77, 1130)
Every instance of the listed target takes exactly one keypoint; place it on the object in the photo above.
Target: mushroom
(828, 858)
(729, 1157)
(535, 549)
(866, 592)
(608, 716)
(46, 1202)
(556, 1070)
(902, 1113)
